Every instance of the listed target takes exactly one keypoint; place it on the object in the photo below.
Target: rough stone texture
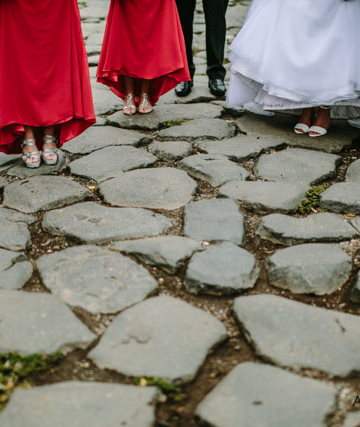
(8, 160)
(199, 94)
(75, 274)
(93, 223)
(298, 335)
(100, 137)
(215, 220)
(170, 150)
(355, 293)
(3, 182)
(297, 165)
(352, 419)
(15, 270)
(253, 394)
(14, 232)
(322, 227)
(221, 270)
(215, 169)
(199, 128)
(81, 404)
(167, 252)
(353, 172)
(39, 323)
(311, 268)
(110, 161)
(141, 340)
(105, 101)
(41, 193)
(240, 148)
(157, 188)
(265, 197)
(342, 197)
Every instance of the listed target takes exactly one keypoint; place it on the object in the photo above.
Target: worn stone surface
(14, 232)
(93, 223)
(253, 394)
(199, 94)
(342, 197)
(105, 100)
(3, 182)
(167, 252)
(353, 172)
(39, 323)
(15, 270)
(110, 161)
(141, 340)
(170, 150)
(157, 188)
(215, 220)
(355, 292)
(322, 227)
(43, 193)
(265, 197)
(214, 168)
(221, 270)
(81, 404)
(311, 337)
(352, 419)
(22, 171)
(8, 160)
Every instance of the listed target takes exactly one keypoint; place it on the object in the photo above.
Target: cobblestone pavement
(209, 253)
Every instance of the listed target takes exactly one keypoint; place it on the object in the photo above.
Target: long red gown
(144, 40)
(44, 74)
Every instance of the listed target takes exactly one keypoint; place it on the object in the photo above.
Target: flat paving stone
(100, 137)
(39, 323)
(221, 270)
(352, 419)
(342, 197)
(104, 100)
(215, 220)
(355, 292)
(296, 164)
(353, 172)
(240, 148)
(167, 252)
(20, 170)
(199, 94)
(8, 160)
(15, 270)
(253, 394)
(199, 129)
(170, 150)
(3, 182)
(141, 341)
(313, 268)
(81, 404)
(310, 337)
(110, 161)
(215, 169)
(74, 275)
(156, 188)
(14, 232)
(322, 227)
(41, 193)
(264, 197)
(92, 223)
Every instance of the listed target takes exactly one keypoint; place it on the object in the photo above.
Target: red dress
(44, 74)
(143, 39)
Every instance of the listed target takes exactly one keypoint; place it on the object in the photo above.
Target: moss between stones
(171, 123)
(312, 200)
(172, 392)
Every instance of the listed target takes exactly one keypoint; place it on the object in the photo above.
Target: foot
(184, 88)
(49, 153)
(129, 107)
(217, 87)
(322, 123)
(145, 106)
(305, 120)
(31, 156)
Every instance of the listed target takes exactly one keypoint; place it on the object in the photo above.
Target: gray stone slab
(309, 269)
(170, 150)
(105, 101)
(141, 340)
(100, 137)
(110, 161)
(93, 223)
(298, 165)
(41, 193)
(39, 323)
(15, 270)
(81, 404)
(298, 335)
(342, 197)
(200, 94)
(221, 270)
(215, 220)
(7, 160)
(214, 168)
(157, 188)
(322, 227)
(3, 182)
(353, 172)
(264, 197)
(241, 147)
(167, 252)
(355, 292)
(74, 275)
(253, 394)
(93, 61)
(199, 129)
(352, 419)
(14, 232)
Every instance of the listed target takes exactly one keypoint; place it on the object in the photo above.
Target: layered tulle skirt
(292, 54)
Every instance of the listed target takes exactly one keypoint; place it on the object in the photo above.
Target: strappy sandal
(27, 156)
(129, 107)
(49, 155)
(145, 104)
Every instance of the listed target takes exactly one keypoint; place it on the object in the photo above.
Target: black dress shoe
(183, 88)
(217, 87)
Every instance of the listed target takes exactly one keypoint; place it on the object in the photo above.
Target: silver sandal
(47, 152)
(129, 108)
(145, 104)
(27, 155)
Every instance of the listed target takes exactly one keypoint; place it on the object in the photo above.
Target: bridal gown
(44, 74)
(292, 54)
(144, 40)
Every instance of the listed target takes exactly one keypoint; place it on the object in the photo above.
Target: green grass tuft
(312, 200)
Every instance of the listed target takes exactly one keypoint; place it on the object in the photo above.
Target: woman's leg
(145, 106)
(129, 103)
(305, 119)
(50, 155)
(323, 118)
(29, 146)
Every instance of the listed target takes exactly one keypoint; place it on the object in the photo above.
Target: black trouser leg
(186, 10)
(215, 11)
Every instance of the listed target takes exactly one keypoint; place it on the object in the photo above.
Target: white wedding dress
(292, 54)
